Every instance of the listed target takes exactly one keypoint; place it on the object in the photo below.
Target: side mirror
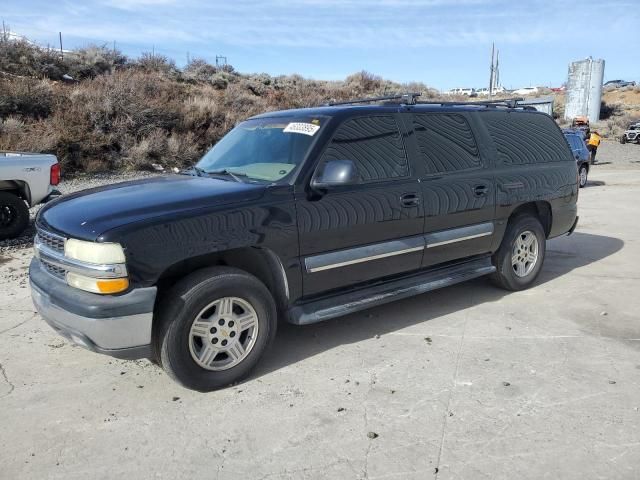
(335, 173)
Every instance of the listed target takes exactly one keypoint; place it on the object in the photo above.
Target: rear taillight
(55, 174)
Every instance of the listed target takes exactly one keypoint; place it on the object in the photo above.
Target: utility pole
(61, 52)
(4, 32)
(221, 61)
(491, 72)
(496, 75)
(188, 59)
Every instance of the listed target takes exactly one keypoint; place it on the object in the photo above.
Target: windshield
(266, 149)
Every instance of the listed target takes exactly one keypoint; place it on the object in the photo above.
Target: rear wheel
(14, 215)
(214, 327)
(583, 172)
(519, 259)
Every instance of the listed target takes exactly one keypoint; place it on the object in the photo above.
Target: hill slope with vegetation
(98, 110)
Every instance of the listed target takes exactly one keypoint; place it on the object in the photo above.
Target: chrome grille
(53, 270)
(51, 240)
(55, 243)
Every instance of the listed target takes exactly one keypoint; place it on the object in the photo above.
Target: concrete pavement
(465, 382)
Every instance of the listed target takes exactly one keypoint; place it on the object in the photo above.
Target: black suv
(302, 215)
(580, 153)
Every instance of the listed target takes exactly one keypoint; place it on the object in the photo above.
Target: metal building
(542, 104)
(584, 89)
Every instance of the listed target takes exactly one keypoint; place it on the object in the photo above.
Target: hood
(89, 213)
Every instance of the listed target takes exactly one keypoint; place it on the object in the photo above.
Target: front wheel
(582, 175)
(519, 259)
(213, 328)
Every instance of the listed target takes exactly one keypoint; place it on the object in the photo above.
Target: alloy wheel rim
(583, 176)
(524, 255)
(223, 333)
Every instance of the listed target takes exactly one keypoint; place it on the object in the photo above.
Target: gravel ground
(615, 155)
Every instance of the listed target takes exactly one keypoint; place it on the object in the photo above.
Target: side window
(374, 144)
(526, 138)
(446, 142)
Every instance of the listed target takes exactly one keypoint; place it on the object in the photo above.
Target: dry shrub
(199, 70)
(614, 127)
(26, 97)
(129, 114)
(147, 150)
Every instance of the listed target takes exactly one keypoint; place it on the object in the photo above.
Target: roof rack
(411, 99)
(407, 99)
(506, 102)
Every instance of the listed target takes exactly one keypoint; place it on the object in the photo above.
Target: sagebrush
(95, 109)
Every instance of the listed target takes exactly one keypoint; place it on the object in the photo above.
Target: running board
(353, 301)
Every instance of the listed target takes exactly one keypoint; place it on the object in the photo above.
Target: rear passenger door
(369, 230)
(458, 188)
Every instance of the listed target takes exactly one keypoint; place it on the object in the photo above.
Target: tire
(14, 215)
(505, 275)
(202, 296)
(623, 139)
(583, 173)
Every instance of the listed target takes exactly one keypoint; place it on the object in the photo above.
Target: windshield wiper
(193, 171)
(235, 175)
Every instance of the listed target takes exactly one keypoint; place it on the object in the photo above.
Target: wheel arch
(540, 210)
(18, 188)
(260, 262)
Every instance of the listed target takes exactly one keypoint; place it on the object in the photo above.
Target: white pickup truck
(26, 179)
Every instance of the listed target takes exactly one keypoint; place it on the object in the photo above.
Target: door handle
(480, 190)
(410, 200)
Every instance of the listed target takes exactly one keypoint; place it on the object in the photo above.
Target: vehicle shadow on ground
(296, 343)
(595, 183)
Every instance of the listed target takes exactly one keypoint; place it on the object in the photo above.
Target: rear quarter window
(526, 138)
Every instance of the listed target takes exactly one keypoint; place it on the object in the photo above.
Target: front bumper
(119, 326)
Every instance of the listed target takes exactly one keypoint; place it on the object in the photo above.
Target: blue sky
(439, 42)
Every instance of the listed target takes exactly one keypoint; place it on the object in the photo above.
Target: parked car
(302, 215)
(26, 179)
(467, 92)
(526, 91)
(619, 84)
(575, 139)
(484, 92)
(631, 134)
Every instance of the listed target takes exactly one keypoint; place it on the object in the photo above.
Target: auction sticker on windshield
(304, 128)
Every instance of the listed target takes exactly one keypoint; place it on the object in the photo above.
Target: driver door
(369, 229)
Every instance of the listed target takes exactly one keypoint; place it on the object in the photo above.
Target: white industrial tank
(584, 89)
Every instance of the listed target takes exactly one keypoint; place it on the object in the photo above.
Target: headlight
(92, 252)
